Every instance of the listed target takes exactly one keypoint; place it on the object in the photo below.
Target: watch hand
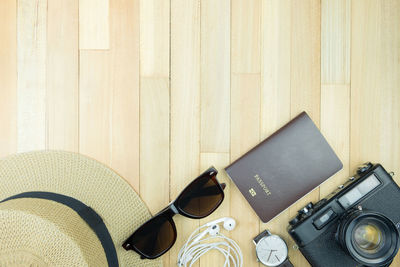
(277, 258)
(269, 255)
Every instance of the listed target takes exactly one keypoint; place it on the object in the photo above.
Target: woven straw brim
(84, 179)
(46, 233)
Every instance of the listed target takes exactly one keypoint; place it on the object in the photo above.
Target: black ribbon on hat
(86, 213)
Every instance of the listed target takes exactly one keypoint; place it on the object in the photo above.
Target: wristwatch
(271, 250)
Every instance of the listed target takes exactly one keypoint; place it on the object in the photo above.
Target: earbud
(213, 227)
(229, 223)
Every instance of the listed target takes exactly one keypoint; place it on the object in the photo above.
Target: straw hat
(63, 209)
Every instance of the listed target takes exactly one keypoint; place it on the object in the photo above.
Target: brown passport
(284, 167)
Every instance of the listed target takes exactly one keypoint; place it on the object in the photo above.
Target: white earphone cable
(193, 249)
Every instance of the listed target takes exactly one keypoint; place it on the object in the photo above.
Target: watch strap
(286, 263)
(260, 235)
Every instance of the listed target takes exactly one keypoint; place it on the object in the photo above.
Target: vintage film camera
(356, 225)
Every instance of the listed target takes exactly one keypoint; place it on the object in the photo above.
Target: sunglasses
(198, 200)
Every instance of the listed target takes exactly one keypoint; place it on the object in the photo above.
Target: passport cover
(284, 167)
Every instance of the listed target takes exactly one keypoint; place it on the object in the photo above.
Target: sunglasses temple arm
(223, 185)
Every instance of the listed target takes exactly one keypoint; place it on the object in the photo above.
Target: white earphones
(229, 223)
(214, 229)
(194, 248)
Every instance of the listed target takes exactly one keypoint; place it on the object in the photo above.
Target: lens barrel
(369, 237)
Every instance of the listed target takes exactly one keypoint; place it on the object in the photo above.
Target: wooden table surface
(161, 89)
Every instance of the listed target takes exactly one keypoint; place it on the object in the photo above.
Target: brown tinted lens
(201, 197)
(154, 237)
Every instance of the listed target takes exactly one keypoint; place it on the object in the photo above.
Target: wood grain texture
(335, 41)
(275, 65)
(185, 107)
(31, 80)
(245, 36)
(154, 142)
(335, 85)
(305, 64)
(124, 83)
(94, 27)
(94, 105)
(154, 38)
(62, 71)
(8, 77)
(109, 105)
(159, 90)
(215, 76)
(335, 126)
(375, 76)
(245, 134)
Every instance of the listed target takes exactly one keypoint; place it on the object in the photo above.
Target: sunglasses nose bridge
(170, 211)
(173, 208)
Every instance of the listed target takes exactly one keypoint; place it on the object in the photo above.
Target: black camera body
(356, 225)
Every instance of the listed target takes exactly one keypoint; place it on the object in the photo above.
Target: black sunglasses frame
(172, 209)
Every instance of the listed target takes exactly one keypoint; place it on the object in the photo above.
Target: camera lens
(369, 237)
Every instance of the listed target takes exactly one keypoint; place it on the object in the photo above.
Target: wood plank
(94, 24)
(305, 58)
(335, 41)
(335, 89)
(124, 83)
(335, 126)
(215, 76)
(154, 142)
(245, 36)
(305, 82)
(185, 107)
(62, 75)
(275, 83)
(375, 83)
(275, 64)
(219, 161)
(245, 134)
(8, 77)
(94, 105)
(31, 81)
(154, 38)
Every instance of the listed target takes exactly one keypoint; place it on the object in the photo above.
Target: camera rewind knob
(294, 221)
(364, 167)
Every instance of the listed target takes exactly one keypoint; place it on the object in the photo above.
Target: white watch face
(272, 250)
